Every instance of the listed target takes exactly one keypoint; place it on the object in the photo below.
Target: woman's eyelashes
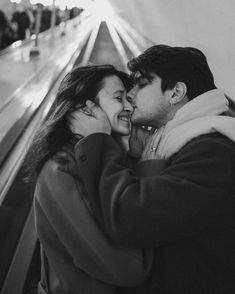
(119, 98)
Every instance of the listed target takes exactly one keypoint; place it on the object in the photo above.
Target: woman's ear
(179, 93)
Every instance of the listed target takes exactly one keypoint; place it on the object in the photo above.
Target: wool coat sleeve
(161, 201)
(59, 198)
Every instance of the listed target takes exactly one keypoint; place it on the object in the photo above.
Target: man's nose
(131, 96)
(131, 93)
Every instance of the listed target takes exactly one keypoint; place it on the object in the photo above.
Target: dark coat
(79, 257)
(184, 207)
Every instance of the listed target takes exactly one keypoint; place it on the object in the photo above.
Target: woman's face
(113, 100)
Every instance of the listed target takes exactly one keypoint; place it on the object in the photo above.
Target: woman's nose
(128, 107)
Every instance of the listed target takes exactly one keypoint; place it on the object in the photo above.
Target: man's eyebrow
(137, 75)
(148, 77)
(138, 78)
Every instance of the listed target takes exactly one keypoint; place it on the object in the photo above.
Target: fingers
(77, 117)
(81, 113)
(91, 107)
(90, 104)
(86, 111)
(151, 150)
(156, 138)
(95, 110)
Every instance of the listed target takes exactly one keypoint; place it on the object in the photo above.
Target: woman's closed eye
(119, 98)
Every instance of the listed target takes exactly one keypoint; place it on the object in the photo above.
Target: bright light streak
(99, 8)
(16, 1)
(44, 2)
(16, 44)
(103, 10)
(62, 4)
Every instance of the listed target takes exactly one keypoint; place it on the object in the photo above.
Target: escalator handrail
(18, 152)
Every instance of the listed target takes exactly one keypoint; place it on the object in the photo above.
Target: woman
(77, 256)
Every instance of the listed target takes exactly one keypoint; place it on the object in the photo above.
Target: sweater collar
(209, 103)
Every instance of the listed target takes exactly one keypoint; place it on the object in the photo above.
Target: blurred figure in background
(7, 33)
(46, 19)
(22, 21)
(31, 17)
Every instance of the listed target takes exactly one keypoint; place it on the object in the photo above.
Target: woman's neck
(123, 141)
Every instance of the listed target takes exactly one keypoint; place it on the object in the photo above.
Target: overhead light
(16, 1)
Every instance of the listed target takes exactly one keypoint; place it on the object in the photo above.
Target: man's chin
(137, 122)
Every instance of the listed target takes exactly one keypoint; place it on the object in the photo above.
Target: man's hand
(138, 140)
(89, 120)
(151, 148)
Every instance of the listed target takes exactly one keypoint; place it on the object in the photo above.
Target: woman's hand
(89, 120)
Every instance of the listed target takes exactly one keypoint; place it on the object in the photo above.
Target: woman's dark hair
(175, 64)
(79, 85)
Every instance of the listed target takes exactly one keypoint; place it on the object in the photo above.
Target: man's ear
(179, 92)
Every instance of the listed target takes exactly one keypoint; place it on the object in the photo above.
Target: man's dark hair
(175, 64)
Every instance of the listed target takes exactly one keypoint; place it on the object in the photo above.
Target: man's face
(151, 105)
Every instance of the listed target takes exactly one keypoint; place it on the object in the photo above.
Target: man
(180, 197)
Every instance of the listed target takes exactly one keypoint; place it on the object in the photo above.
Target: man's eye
(142, 83)
(119, 98)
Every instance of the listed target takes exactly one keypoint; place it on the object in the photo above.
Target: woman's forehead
(113, 83)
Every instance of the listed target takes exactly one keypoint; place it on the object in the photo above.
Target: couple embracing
(151, 214)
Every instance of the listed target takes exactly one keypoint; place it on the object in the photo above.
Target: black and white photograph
(117, 147)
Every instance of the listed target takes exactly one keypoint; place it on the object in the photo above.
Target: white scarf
(197, 117)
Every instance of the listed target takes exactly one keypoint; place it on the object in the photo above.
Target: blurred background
(206, 24)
